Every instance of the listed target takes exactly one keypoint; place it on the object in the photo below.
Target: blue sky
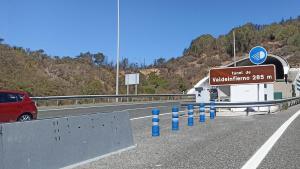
(149, 28)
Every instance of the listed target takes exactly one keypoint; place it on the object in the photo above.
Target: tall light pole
(118, 49)
(234, 49)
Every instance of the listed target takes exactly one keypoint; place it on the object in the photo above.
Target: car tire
(25, 117)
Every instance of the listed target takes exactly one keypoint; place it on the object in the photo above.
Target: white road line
(144, 108)
(137, 118)
(261, 153)
(98, 158)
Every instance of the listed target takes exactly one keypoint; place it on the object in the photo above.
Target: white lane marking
(98, 158)
(144, 108)
(112, 105)
(137, 118)
(261, 153)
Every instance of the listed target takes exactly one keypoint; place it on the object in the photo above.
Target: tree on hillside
(134, 67)
(40, 51)
(156, 81)
(98, 58)
(246, 36)
(124, 63)
(203, 44)
(86, 58)
(294, 40)
(159, 62)
(1, 40)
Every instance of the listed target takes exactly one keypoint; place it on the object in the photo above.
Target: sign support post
(258, 55)
(127, 92)
(136, 89)
(258, 95)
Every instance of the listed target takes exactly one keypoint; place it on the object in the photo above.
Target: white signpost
(132, 79)
(258, 55)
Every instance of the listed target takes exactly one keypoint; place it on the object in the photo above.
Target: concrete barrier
(59, 142)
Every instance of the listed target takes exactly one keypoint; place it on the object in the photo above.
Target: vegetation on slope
(206, 51)
(87, 73)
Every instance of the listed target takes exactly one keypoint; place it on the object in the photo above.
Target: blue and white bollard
(190, 115)
(212, 112)
(175, 119)
(202, 112)
(155, 120)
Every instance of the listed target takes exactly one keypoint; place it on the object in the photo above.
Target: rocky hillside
(87, 73)
(39, 74)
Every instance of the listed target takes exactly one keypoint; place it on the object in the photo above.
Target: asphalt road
(226, 142)
(135, 109)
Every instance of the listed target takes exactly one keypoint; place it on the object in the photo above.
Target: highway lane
(135, 109)
(286, 152)
(226, 142)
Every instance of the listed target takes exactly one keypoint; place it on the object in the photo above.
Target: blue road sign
(258, 55)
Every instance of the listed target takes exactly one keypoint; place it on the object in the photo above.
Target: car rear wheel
(25, 117)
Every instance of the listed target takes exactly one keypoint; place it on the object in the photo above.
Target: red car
(16, 106)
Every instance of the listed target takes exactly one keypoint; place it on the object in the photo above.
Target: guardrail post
(280, 106)
(212, 110)
(155, 120)
(175, 119)
(247, 111)
(202, 112)
(190, 115)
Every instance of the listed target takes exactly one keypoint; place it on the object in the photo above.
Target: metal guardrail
(108, 96)
(184, 98)
(282, 103)
(293, 100)
(93, 99)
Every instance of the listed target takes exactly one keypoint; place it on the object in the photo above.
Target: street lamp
(234, 57)
(118, 49)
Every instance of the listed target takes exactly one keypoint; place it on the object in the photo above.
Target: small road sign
(132, 79)
(258, 55)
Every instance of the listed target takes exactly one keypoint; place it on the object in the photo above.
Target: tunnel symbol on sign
(258, 55)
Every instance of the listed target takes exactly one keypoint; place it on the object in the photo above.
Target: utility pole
(118, 49)
(234, 57)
